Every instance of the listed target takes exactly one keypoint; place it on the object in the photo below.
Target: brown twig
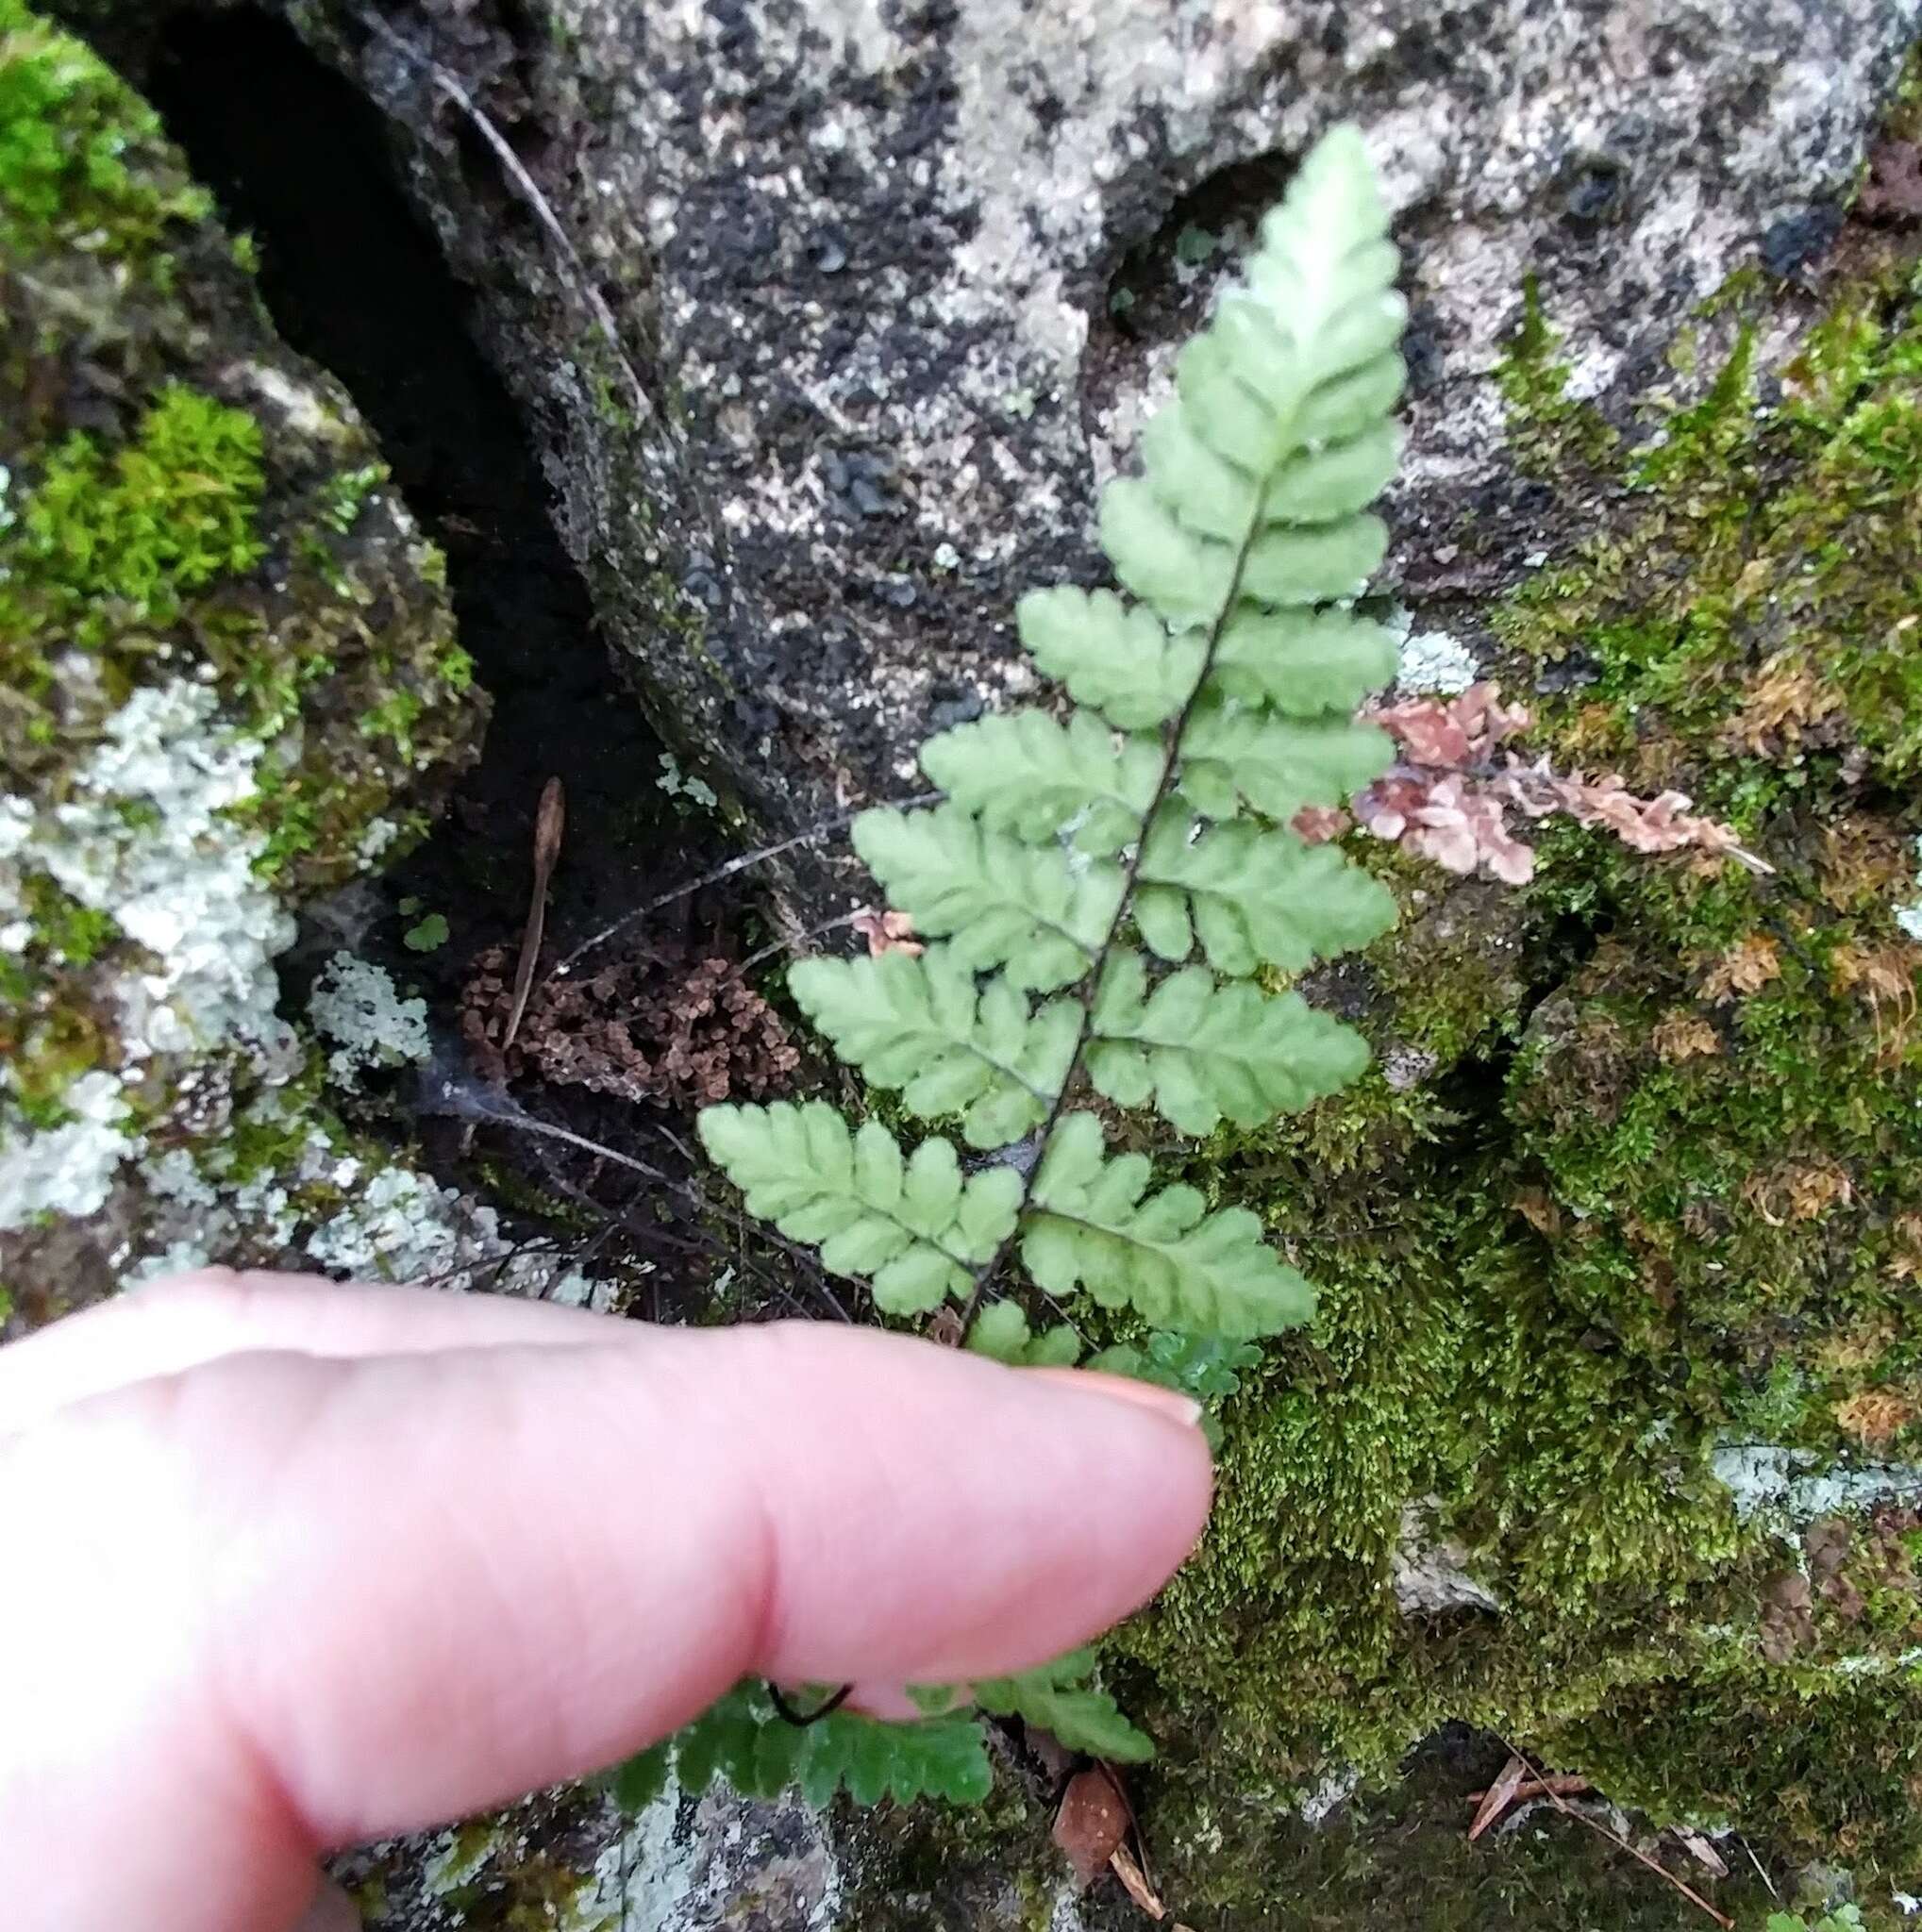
(551, 822)
(1614, 1838)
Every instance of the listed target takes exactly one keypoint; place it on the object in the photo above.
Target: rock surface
(893, 283)
(230, 680)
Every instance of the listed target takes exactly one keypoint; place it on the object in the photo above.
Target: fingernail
(1149, 1396)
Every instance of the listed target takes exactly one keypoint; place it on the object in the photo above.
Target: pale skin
(288, 1565)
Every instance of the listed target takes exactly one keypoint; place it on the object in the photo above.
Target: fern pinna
(1110, 894)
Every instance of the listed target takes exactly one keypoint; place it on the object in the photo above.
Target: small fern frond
(1087, 1225)
(1114, 657)
(1033, 910)
(914, 1228)
(1055, 1699)
(743, 1739)
(1206, 1051)
(1027, 775)
(918, 1023)
(1204, 717)
(1302, 663)
(1279, 764)
(1001, 1333)
(1255, 896)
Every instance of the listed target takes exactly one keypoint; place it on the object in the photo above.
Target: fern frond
(1087, 1224)
(1056, 1698)
(1037, 911)
(1206, 1051)
(1279, 764)
(1254, 895)
(1205, 717)
(919, 1024)
(1001, 1333)
(1304, 663)
(1113, 656)
(635, 1783)
(741, 1738)
(1027, 775)
(914, 1228)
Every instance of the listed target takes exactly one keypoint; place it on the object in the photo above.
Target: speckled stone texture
(898, 281)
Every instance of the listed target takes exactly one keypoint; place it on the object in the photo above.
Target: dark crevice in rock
(299, 158)
(352, 280)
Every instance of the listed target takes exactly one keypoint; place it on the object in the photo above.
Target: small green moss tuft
(119, 540)
(1547, 426)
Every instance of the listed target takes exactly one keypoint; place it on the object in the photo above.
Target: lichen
(356, 1005)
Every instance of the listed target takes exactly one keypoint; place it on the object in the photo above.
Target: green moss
(1830, 1770)
(1402, 1856)
(54, 1049)
(122, 539)
(345, 494)
(1548, 427)
(1751, 627)
(64, 931)
(67, 124)
(1638, 1174)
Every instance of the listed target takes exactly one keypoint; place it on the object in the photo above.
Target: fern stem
(802, 1719)
(1089, 985)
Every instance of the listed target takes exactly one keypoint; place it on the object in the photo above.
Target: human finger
(165, 1328)
(383, 1591)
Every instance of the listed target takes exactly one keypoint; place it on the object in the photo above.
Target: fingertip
(1027, 1511)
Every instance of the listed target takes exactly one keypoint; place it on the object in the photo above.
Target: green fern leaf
(1206, 1051)
(1220, 499)
(1278, 764)
(1256, 475)
(1310, 563)
(1165, 1254)
(932, 1758)
(1256, 896)
(1001, 1333)
(1203, 1366)
(914, 1228)
(741, 1737)
(1113, 656)
(1036, 910)
(639, 1780)
(1188, 577)
(1054, 1698)
(1027, 775)
(919, 1024)
(722, 1742)
(1305, 663)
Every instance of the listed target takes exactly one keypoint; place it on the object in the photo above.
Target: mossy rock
(229, 673)
(1617, 1250)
